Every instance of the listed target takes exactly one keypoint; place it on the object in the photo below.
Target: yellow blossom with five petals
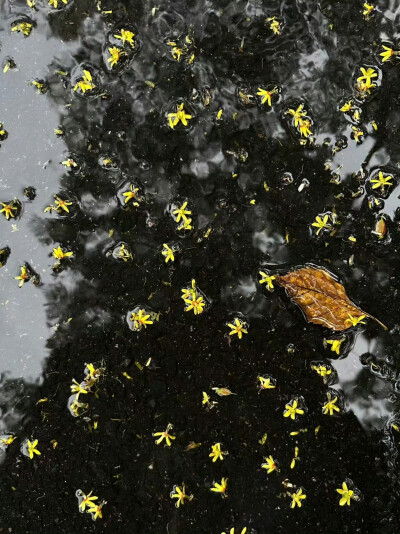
(179, 116)
(221, 488)
(266, 95)
(270, 465)
(216, 452)
(32, 450)
(180, 494)
(321, 223)
(297, 498)
(140, 319)
(168, 253)
(355, 320)
(59, 254)
(238, 328)
(346, 495)
(382, 181)
(331, 406)
(24, 276)
(87, 500)
(266, 279)
(131, 194)
(126, 35)
(164, 435)
(115, 54)
(291, 409)
(8, 210)
(85, 83)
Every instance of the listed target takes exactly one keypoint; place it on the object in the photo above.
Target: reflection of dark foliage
(120, 461)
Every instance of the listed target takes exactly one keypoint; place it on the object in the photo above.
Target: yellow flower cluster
(301, 121)
(193, 299)
(86, 503)
(92, 376)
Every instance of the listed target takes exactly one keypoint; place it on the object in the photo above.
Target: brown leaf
(322, 299)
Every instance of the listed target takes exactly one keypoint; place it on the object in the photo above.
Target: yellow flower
(365, 87)
(297, 498)
(189, 293)
(116, 54)
(41, 87)
(24, 276)
(232, 531)
(8, 440)
(54, 3)
(179, 116)
(381, 182)
(357, 134)
(292, 409)
(322, 370)
(186, 225)
(127, 36)
(8, 209)
(266, 95)
(321, 223)
(297, 114)
(196, 304)
(176, 51)
(86, 83)
(266, 279)
(96, 510)
(69, 163)
(330, 407)
(24, 27)
(336, 343)
(78, 388)
(368, 9)
(221, 488)
(304, 127)
(87, 500)
(179, 494)
(123, 253)
(265, 383)
(181, 212)
(238, 328)
(168, 253)
(140, 319)
(274, 25)
(355, 320)
(62, 204)
(387, 53)
(346, 495)
(92, 374)
(269, 465)
(347, 106)
(216, 452)
(32, 450)
(367, 75)
(75, 406)
(131, 194)
(164, 435)
(59, 254)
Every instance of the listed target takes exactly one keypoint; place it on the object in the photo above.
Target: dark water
(254, 192)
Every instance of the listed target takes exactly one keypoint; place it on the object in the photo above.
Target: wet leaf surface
(321, 297)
